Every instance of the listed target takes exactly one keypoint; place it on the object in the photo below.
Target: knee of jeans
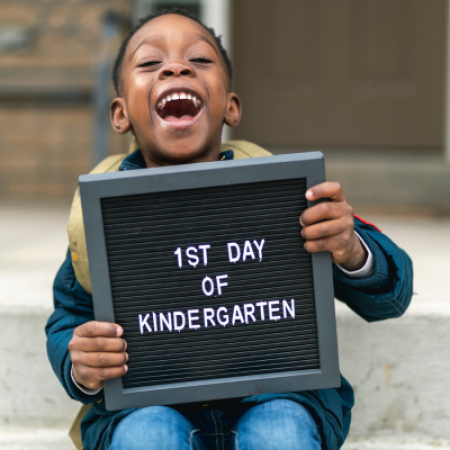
(153, 428)
(277, 425)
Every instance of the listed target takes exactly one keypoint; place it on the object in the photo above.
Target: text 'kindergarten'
(195, 318)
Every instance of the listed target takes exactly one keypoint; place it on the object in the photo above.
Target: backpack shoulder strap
(244, 149)
(75, 228)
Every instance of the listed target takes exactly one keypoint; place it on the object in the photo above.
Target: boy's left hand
(328, 226)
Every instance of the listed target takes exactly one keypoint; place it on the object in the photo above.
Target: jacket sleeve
(73, 307)
(388, 292)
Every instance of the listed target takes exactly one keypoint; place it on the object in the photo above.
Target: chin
(184, 154)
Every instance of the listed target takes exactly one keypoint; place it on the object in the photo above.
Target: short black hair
(118, 64)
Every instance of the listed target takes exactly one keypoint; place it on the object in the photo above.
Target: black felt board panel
(142, 233)
(271, 328)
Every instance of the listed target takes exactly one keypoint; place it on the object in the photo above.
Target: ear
(234, 110)
(119, 116)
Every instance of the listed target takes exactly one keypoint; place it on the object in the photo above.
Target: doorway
(341, 73)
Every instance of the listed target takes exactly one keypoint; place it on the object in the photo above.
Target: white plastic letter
(219, 284)
(178, 253)
(163, 321)
(237, 314)
(208, 316)
(259, 247)
(204, 248)
(193, 259)
(209, 292)
(248, 251)
(249, 311)
(176, 326)
(155, 322)
(192, 318)
(261, 305)
(273, 310)
(231, 257)
(143, 323)
(290, 310)
(224, 319)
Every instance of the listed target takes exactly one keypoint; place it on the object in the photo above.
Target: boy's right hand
(98, 353)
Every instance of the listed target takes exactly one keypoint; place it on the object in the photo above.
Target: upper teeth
(179, 96)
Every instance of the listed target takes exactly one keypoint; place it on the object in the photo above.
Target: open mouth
(179, 106)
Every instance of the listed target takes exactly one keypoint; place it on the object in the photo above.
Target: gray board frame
(93, 188)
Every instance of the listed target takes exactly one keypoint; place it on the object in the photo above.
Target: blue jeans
(275, 425)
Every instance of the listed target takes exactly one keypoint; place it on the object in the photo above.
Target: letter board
(203, 266)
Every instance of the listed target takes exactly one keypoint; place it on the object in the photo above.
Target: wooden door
(341, 73)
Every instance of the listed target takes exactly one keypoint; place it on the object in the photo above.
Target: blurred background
(365, 81)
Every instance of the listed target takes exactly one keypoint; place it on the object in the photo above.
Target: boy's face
(174, 92)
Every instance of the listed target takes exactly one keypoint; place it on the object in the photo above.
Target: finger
(92, 377)
(100, 359)
(81, 375)
(329, 189)
(106, 373)
(88, 384)
(325, 211)
(100, 344)
(325, 229)
(331, 244)
(95, 328)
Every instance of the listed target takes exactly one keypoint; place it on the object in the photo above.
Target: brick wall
(48, 54)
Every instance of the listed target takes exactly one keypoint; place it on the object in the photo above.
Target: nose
(176, 69)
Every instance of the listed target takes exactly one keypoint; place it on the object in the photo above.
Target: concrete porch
(393, 181)
(399, 368)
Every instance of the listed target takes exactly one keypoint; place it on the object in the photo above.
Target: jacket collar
(135, 160)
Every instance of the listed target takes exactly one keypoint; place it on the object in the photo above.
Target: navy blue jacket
(386, 294)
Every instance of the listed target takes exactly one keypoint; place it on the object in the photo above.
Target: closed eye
(149, 63)
(201, 59)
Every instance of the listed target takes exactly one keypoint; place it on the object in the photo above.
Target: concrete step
(23, 438)
(399, 368)
(33, 244)
(395, 443)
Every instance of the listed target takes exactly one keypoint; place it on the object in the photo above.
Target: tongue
(175, 118)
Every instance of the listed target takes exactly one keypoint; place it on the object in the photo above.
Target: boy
(173, 82)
